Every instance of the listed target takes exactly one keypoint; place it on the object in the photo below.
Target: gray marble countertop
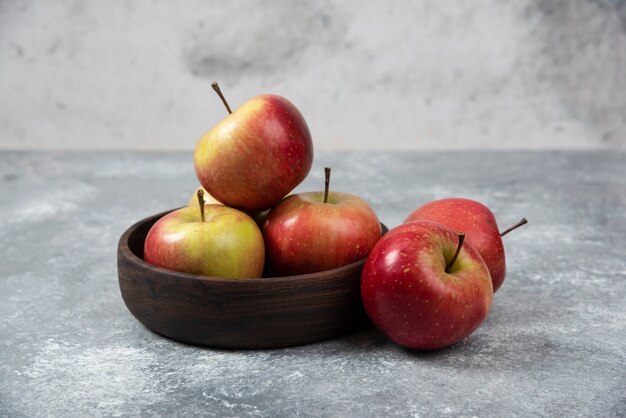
(554, 343)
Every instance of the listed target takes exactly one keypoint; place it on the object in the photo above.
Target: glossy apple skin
(227, 244)
(409, 296)
(478, 224)
(256, 155)
(304, 235)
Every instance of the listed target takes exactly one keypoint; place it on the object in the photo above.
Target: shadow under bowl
(237, 313)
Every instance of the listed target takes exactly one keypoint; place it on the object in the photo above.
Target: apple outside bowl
(220, 312)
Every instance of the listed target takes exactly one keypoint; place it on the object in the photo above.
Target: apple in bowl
(256, 155)
(315, 231)
(208, 199)
(208, 240)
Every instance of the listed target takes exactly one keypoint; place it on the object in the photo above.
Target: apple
(259, 217)
(208, 199)
(479, 225)
(256, 155)
(210, 240)
(423, 288)
(316, 231)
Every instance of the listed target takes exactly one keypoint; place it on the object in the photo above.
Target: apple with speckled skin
(210, 240)
(256, 155)
(316, 231)
(479, 225)
(424, 288)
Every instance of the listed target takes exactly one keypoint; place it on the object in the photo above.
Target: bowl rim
(124, 248)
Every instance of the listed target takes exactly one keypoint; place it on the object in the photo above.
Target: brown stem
(201, 203)
(517, 225)
(456, 254)
(216, 87)
(326, 183)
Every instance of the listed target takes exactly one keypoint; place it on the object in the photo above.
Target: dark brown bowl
(237, 313)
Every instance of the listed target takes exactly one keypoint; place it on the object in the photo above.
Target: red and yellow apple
(256, 155)
(259, 217)
(222, 242)
(208, 199)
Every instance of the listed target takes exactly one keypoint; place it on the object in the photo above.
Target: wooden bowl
(237, 313)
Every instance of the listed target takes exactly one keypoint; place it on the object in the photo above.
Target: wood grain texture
(237, 313)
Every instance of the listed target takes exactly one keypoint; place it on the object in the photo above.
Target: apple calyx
(216, 87)
(456, 253)
(517, 225)
(201, 203)
(326, 183)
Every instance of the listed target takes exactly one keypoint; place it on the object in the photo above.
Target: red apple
(479, 226)
(316, 231)
(424, 288)
(256, 155)
(210, 240)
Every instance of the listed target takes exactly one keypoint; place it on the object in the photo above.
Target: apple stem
(517, 225)
(456, 254)
(201, 203)
(216, 87)
(326, 183)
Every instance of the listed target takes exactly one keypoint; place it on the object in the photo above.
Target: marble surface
(553, 345)
(417, 74)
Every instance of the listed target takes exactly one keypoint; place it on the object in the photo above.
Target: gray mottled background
(553, 345)
(388, 74)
